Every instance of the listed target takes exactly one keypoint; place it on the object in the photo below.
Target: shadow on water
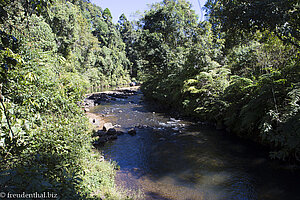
(156, 196)
(177, 159)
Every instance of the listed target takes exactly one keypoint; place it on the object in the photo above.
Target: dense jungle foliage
(51, 53)
(238, 69)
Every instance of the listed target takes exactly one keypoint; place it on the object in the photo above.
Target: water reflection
(177, 159)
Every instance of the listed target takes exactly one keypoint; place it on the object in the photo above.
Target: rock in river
(107, 126)
(111, 131)
(132, 132)
(100, 133)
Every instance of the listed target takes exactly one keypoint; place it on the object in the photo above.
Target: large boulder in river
(107, 126)
(100, 133)
(111, 131)
(132, 132)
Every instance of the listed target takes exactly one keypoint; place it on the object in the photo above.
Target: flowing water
(172, 158)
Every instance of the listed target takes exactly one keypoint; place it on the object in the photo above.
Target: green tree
(130, 37)
(243, 16)
(107, 14)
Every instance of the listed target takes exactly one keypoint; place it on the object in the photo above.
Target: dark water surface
(170, 158)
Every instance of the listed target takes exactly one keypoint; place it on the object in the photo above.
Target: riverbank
(103, 130)
(101, 171)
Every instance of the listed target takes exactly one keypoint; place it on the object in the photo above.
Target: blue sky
(129, 7)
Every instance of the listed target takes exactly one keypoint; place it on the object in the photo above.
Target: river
(172, 158)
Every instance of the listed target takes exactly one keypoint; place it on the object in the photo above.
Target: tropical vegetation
(51, 53)
(238, 69)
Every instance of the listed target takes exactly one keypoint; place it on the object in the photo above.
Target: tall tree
(280, 17)
(130, 37)
(169, 28)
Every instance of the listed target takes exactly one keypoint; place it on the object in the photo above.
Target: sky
(129, 7)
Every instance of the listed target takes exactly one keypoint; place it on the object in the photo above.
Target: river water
(172, 158)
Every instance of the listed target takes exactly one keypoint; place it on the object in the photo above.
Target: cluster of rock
(109, 133)
(97, 98)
